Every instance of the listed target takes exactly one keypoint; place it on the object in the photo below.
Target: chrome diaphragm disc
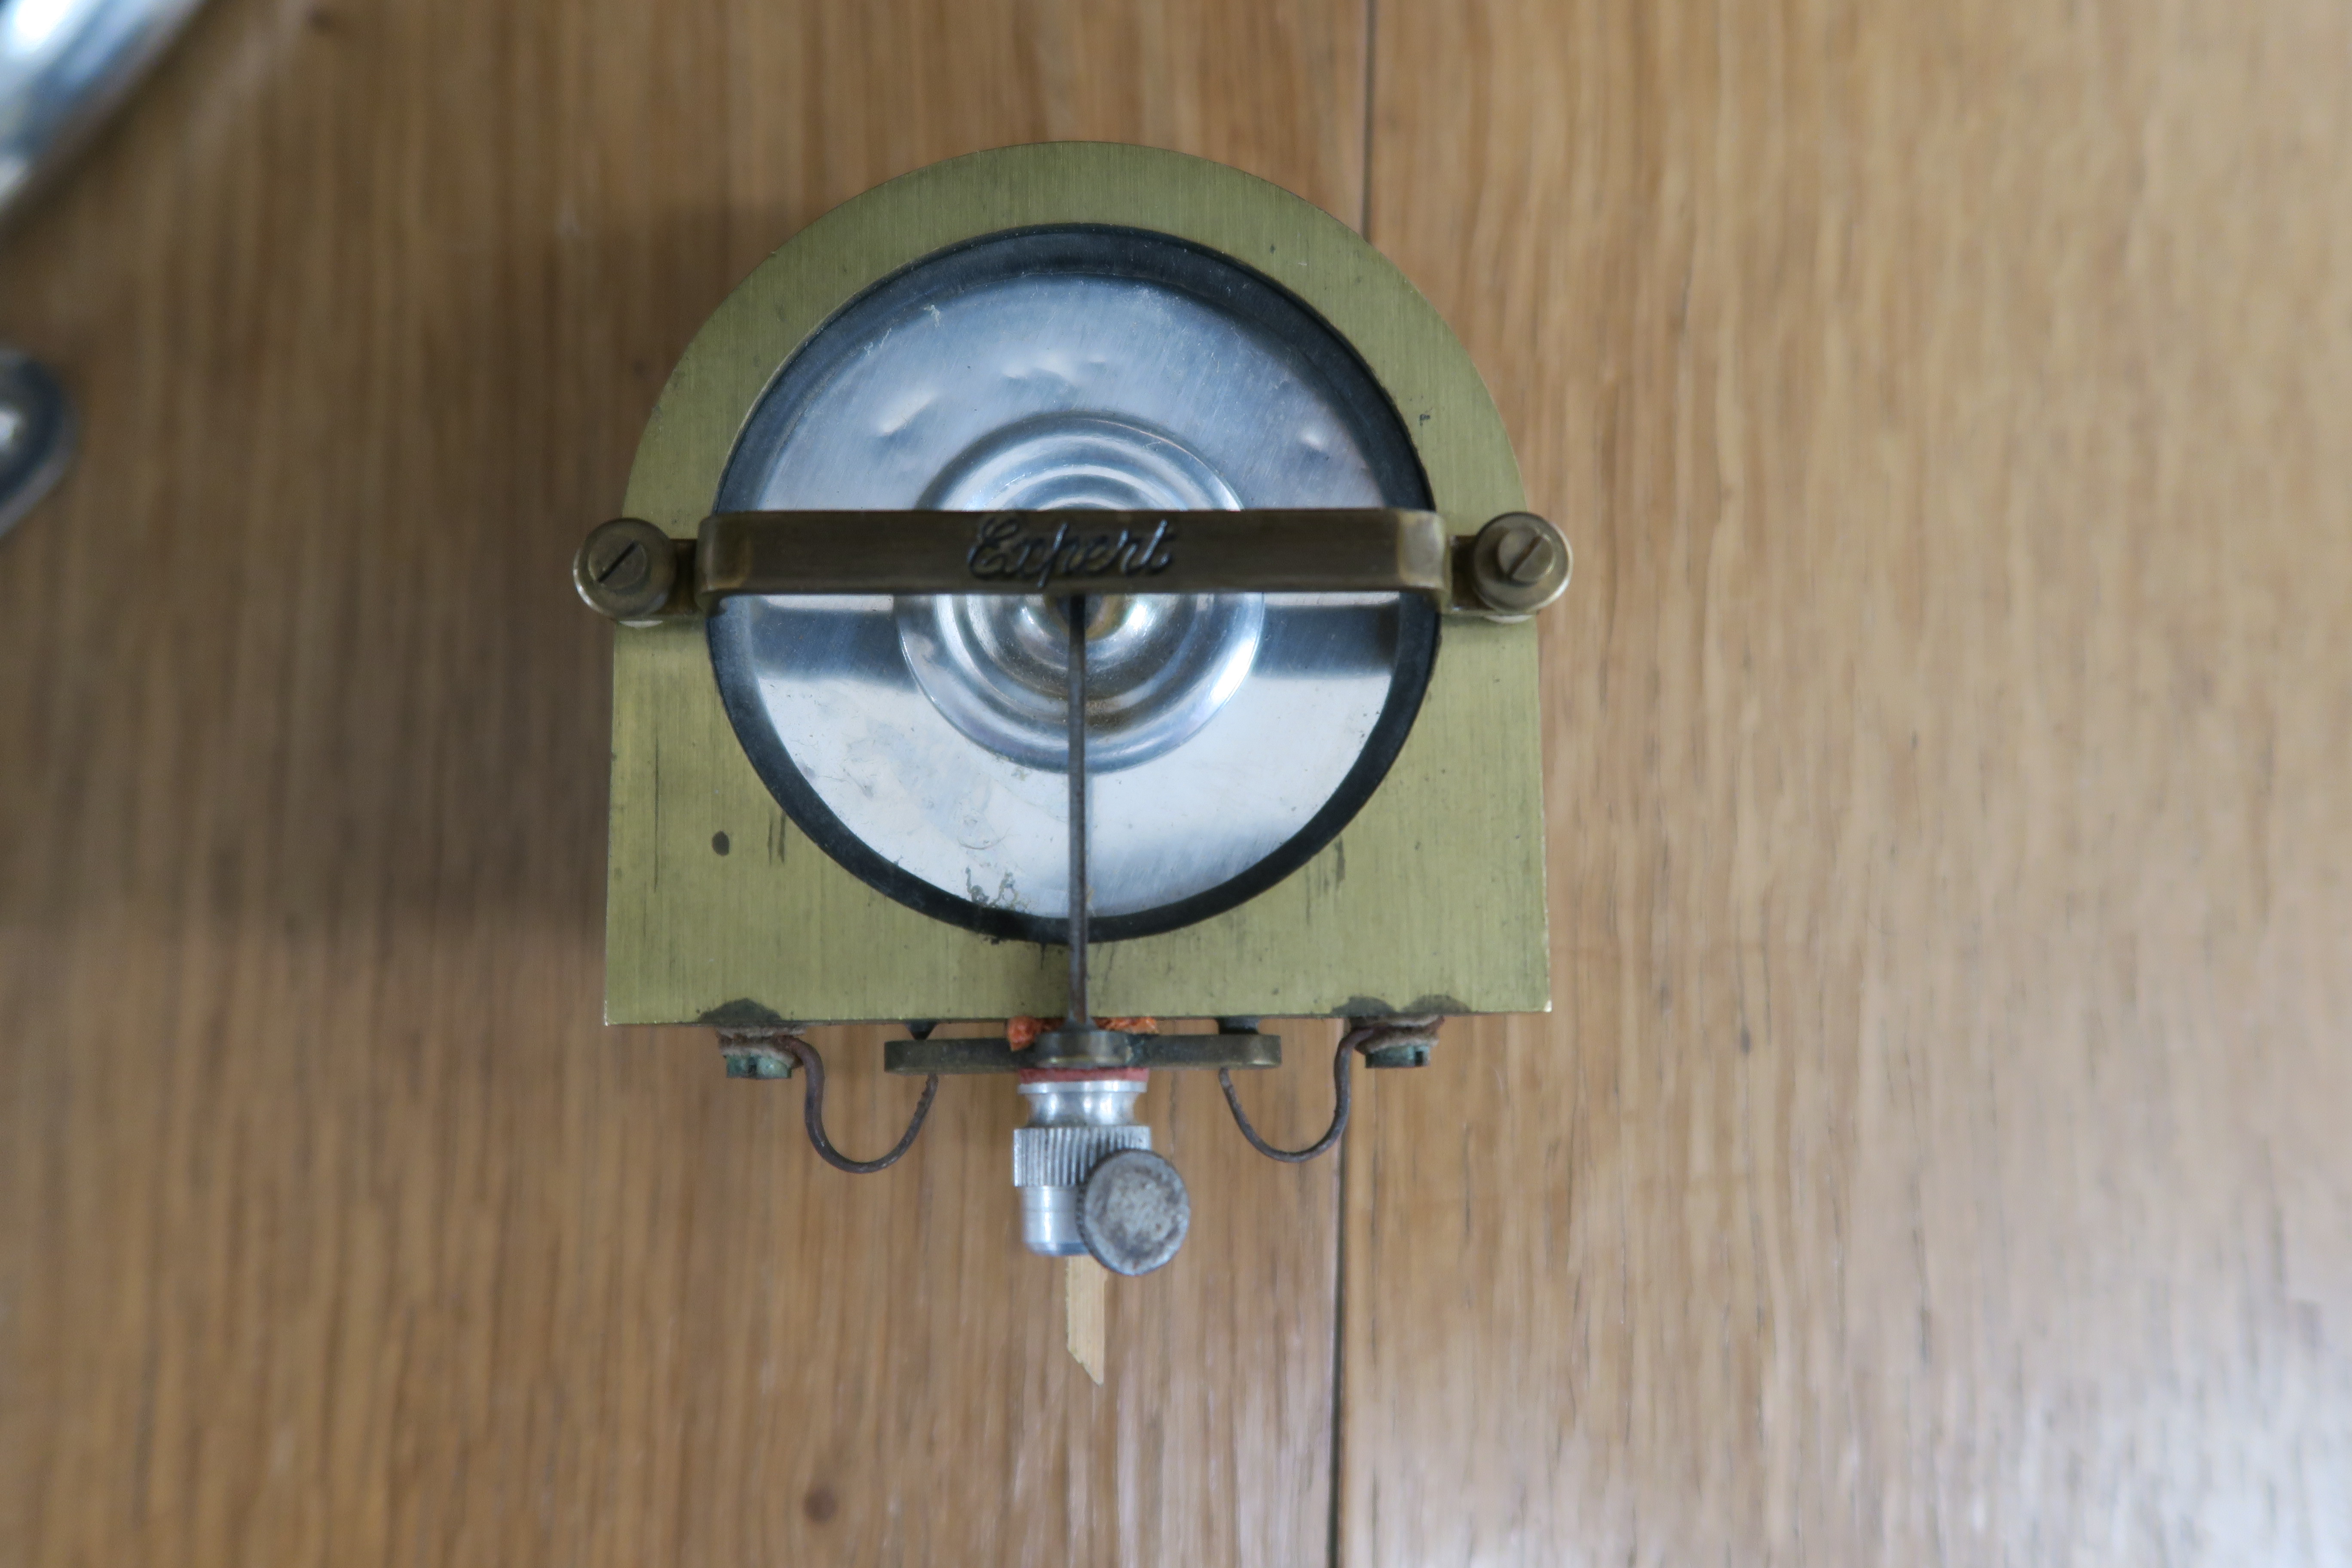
(921, 741)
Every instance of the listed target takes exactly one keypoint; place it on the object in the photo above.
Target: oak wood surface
(337, 1230)
(1937, 1153)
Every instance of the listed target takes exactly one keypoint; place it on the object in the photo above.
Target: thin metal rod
(1081, 1014)
(1349, 1043)
(812, 1112)
(1363, 1034)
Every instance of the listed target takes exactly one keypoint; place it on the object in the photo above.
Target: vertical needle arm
(1081, 1015)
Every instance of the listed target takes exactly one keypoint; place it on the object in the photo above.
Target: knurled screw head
(1133, 1212)
(625, 569)
(1518, 563)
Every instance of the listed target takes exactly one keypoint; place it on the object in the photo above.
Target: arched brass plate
(1431, 901)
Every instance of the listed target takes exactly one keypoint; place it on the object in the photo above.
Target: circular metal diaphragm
(921, 741)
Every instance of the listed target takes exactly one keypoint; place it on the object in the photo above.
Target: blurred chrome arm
(63, 64)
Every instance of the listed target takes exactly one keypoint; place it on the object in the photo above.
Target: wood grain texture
(1938, 1151)
(1937, 1155)
(336, 1229)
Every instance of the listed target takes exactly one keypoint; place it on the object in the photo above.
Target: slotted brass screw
(625, 569)
(1518, 563)
(1526, 555)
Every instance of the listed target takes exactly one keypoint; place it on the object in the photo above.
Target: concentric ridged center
(1157, 665)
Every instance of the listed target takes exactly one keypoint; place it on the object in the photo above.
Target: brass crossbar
(634, 572)
(1062, 553)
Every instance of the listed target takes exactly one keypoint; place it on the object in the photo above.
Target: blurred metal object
(64, 64)
(36, 434)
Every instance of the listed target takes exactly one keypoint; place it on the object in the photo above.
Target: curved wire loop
(1362, 1035)
(813, 1111)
